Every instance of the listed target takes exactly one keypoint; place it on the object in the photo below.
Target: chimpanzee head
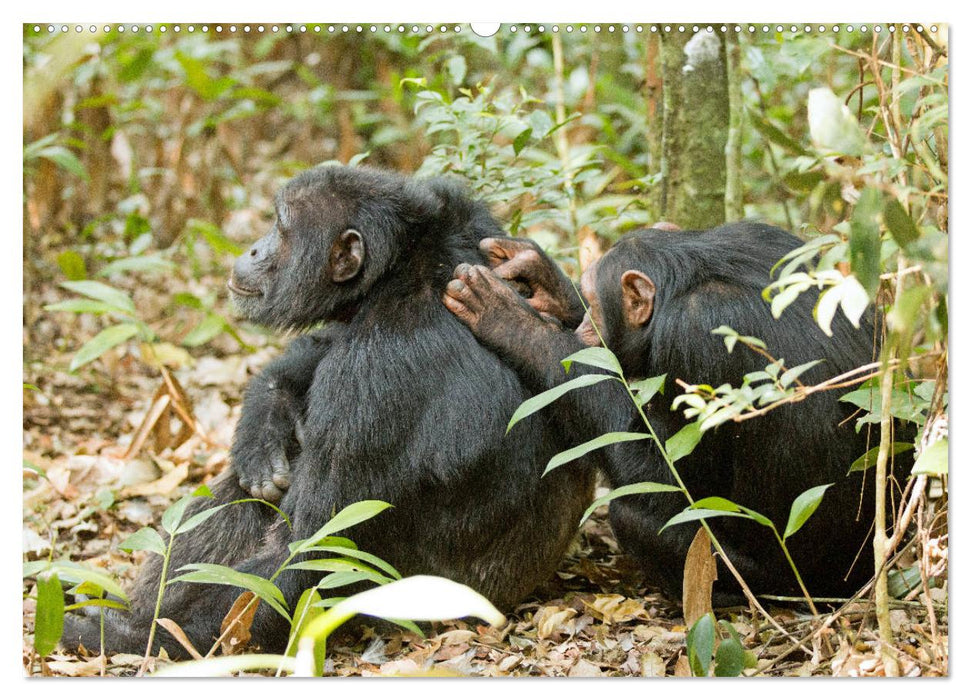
(338, 232)
(621, 295)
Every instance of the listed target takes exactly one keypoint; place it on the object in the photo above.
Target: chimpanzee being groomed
(655, 297)
(393, 399)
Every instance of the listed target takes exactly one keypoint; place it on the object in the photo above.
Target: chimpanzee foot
(492, 310)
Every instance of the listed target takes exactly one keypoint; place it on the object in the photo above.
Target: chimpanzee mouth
(242, 291)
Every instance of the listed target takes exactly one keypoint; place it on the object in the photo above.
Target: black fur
(705, 279)
(397, 401)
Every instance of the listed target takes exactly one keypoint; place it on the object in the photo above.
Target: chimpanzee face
(310, 267)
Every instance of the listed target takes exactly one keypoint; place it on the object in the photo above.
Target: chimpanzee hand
(520, 260)
(499, 317)
(269, 433)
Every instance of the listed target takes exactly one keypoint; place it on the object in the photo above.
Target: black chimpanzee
(655, 297)
(393, 399)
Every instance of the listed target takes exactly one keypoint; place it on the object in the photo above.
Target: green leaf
(540, 401)
(521, 140)
(826, 307)
(102, 292)
(595, 357)
(408, 625)
(775, 135)
(102, 343)
(225, 576)
(213, 236)
(732, 658)
(589, 446)
(303, 613)
(72, 572)
(377, 562)
(870, 458)
(804, 506)
(138, 263)
(900, 582)
(207, 329)
(683, 442)
(647, 388)
(898, 221)
(72, 265)
(701, 645)
(335, 564)
(456, 69)
(783, 299)
(146, 539)
(64, 159)
(717, 503)
(628, 490)
(690, 514)
(854, 300)
(172, 517)
(865, 240)
(199, 518)
(933, 460)
(49, 619)
(84, 306)
(791, 375)
(96, 603)
(346, 518)
(339, 579)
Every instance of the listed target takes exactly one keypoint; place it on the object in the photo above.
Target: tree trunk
(695, 131)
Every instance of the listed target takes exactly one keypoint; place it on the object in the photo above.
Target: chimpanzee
(392, 399)
(655, 297)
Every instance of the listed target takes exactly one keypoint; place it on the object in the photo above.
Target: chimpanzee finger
(300, 432)
(247, 486)
(498, 250)
(281, 470)
(458, 290)
(494, 250)
(522, 267)
(270, 492)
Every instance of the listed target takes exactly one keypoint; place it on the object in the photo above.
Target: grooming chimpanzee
(393, 400)
(655, 297)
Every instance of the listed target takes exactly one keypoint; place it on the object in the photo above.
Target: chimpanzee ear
(637, 292)
(346, 256)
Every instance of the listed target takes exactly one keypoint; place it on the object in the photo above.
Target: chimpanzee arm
(523, 262)
(270, 431)
(502, 321)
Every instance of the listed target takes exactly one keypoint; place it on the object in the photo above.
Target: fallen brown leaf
(615, 608)
(165, 485)
(552, 621)
(700, 573)
(234, 630)
(172, 627)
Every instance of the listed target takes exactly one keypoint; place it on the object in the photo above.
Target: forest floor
(594, 618)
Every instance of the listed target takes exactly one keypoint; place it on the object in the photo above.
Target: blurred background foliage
(151, 157)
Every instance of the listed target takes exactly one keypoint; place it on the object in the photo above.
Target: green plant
(100, 298)
(416, 597)
(49, 148)
(49, 620)
(730, 656)
(679, 445)
(351, 566)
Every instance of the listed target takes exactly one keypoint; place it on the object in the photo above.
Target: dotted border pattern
(455, 28)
